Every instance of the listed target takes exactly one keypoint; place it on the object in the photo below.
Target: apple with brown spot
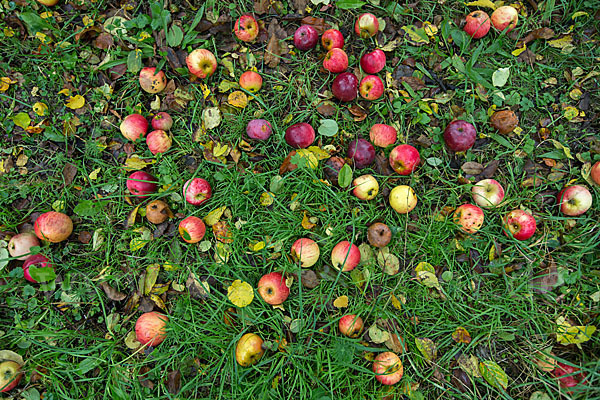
(53, 226)
(152, 81)
(248, 350)
(469, 218)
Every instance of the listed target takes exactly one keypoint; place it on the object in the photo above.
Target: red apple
(150, 328)
(53, 226)
(251, 81)
(331, 39)
(403, 199)
(569, 376)
(469, 218)
(162, 121)
(574, 200)
(371, 87)
(158, 142)
(249, 350)
(246, 28)
(383, 135)
(201, 63)
(20, 245)
(595, 173)
(361, 152)
(300, 135)
(259, 129)
(366, 25)
(520, 224)
(404, 159)
(141, 184)
(151, 81)
(345, 255)
(373, 61)
(306, 251)
(272, 288)
(10, 374)
(36, 260)
(344, 86)
(505, 16)
(197, 191)
(365, 187)
(460, 135)
(335, 61)
(351, 325)
(388, 368)
(192, 229)
(487, 193)
(477, 24)
(134, 126)
(306, 37)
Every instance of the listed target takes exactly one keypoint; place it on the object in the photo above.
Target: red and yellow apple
(248, 350)
(10, 375)
(335, 61)
(150, 328)
(246, 28)
(595, 173)
(20, 245)
(192, 229)
(38, 261)
(373, 61)
(197, 191)
(306, 37)
(477, 24)
(53, 226)
(365, 187)
(259, 129)
(306, 251)
(151, 81)
(272, 288)
(469, 218)
(505, 17)
(487, 193)
(366, 25)
(251, 81)
(383, 135)
(351, 325)
(345, 256)
(162, 121)
(331, 39)
(404, 159)
(388, 368)
(403, 199)
(520, 224)
(201, 63)
(371, 87)
(574, 200)
(134, 126)
(158, 141)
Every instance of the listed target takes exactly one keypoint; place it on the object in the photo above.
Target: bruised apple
(20, 245)
(158, 211)
(10, 375)
(469, 218)
(150, 328)
(388, 368)
(152, 81)
(53, 226)
(351, 325)
(248, 350)
(38, 261)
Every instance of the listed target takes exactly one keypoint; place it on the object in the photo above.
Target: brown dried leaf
(414, 82)
(541, 33)
(104, 41)
(273, 52)
(359, 113)
(261, 6)
(382, 164)
(490, 169)
(143, 378)
(309, 279)
(306, 224)
(131, 217)
(222, 232)
(174, 381)
(112, 293)
(196, 288)
(300, 6)
(396, 343)
(472, 168)
(84, 237)
(69, 172)
(424, 141)
(546, 279)
(461, 335)
(318, 23)
(326, 109)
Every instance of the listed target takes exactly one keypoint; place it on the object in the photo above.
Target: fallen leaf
(112, 293)
(572, 334)
(469, 364)
(341, 302)
(482, 3)
(222, 232)
(493, 374)
(211, 117)
(240, 293)
(197, 289)
(75, 102)
(22, 120)
(272, 55)
(546, 279)
(174, 382)
(472, 168)
(427, 348)
(377, 335)
(152, 272)
(306, 224)
(214, 216)
(266, 199)
(40, 108)
(309, 279)
(461, 335)
(425, 274)
(238, 99)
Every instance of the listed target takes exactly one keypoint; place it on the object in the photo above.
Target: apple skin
(192, 227)
(595, 173)
(251, 81)
(152, 82)
(335, 61)
(366, 25)
(351, 325)
(141, 184)
(246, 28)
(373, 61)
(344, 86)
(371, 87)
(403, 199)
(158, 141)
(477, 24)
(574, 200)
(197, 191)
(53, 226)
(487, 193)
(272, 288)
(37, 260)
(20, 245)
(469, 218)
(150, 328)
(569, 376)
(300, 135)
(332, 168)
(162, 121)
(306, 37)
(248, 350)
(383, 135)
(134, 126)
(362, 153)
(306, 251)
(332, 39)
(388, 368)
(379, 235)
(520, 224)
(345, 251)
(259, 129)
(460, 135)
(48, 2)
(404, 159)
(10, 375)
(505, 16)
(201, 63)
(157, 212)
(365, 187)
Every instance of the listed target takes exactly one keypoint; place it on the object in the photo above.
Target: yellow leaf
(152, 271)
(312, 160)
(87, 21)
(341, 302)
(306, 224)
(42, 37)
(562, 147)
(139, 242)
(416, 35)
(75, 102)
(238, 99)
(396, 303)
(155, 104)
(214, 216)
(426, 275)
(572, 334)
(220, 150)
(205, 90)
(9, 32)
(565, 44)
(40, 108)
(211, 117)
(461, 335)
(135, 163)
(492, 254)
(256, 246)
(168, 266)
(427, 347)
(240, 293)
(158, 301)
(94, 174)
(319, 153)
(5, 83)
(482, 3)
(65, 92)
(518, 51)
(22, 120)
(579, 14)
(575, 94)
(266, 199)
(377, 335)
(430, 29)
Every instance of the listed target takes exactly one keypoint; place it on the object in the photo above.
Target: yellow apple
(403, 199)
(249, 350)
(10, 375)
(48, 2)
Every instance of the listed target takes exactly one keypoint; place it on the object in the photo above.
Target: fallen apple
(300, 135)
(344, 86)
(404, 159)
(366, 187)
(335, 61)
(505, 17)
(259, 129)
(371, 87)
(460, 135)
(477, 24)
(197, 191)
(141, 184)
(10, 375)
(504, 121)
(574, 200)
(134, 126)
(272, 288)
(306, 251)
(569, 377)
(379, 235)
(469, 218)
(595, 173)
(162, 121)
(351, 325)
(403, 199)
(373, 61)
(48, 2)
(201, 63)
(383, 135)
(345, 256)
(366, 25)
(157, 212)
(251, 81)
(520, 224)
(487, 193)
(246, 28)
(152, 81)
(20, 245)
(331, 39)
(306, 37)
(36, 260)
(388, 368)
(192, 229)
(248, 350)
(332, 168)
(53, 226)
(150, 328)
(158, 141)
(361, 152)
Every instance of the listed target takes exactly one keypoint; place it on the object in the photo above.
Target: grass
(72, 336)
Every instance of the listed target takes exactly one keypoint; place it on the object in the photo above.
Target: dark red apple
(141, 184)
(306, 37)
(373, 62)
(362, 152)
(344, 86)
(460, 135)
(332, 168)
(300, 136)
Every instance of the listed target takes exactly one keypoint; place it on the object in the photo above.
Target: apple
(388, 368)
(361, 152)
(335, 61)
(246, 28)
(595, 173)
(134, 126)
(520, 224)
(141, 184)
(373, 61)
(383, 135)
(306, 251)
(404, 159)
(162, 121)
(197, 191)
(150, 328)
(53, 226)
(469, 218)
(345, 255)
(272, 288)
(344, 86)
(158, 142)
(477, 24)
(365, 187)
(152, 81)
(331, 39)
(351, 325)
(379, 234)
(157, 212)
(48, 2)
(371, 87)
(300, 135)
(332, 168)
(487, 193)
(569, 376)
(251, 81)
(201, 63)
(403, 199)
(20, 245)
(192, 229)
(574, 200)
(366, 25)
(36, 260)
(248, 350)
(306, 37)
(460, 135)
(505, 16)
(259, 129)
(10, 374)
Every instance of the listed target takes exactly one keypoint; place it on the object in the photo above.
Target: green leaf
(328, 127)
(276, 184)
(345, 176)
(134, 61)
(174, 36)
(500, 76)
(434, 161)
(22, 120)
(34, 22)
(42, 274)
(87, 208)
(350, 4)
(493, 374)
(427, 347)
(3, 258)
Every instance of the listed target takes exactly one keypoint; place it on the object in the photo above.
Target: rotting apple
(335, 61)
(362, 153)
(192, 229)
(331, 39)
(595, 173)
(388, 368)
(468, 217)
(379, 234)
(10, 374)
(351, 325)
(150, 328)
(158, 141)
(162, 121)
(505, 17)
(141, 184)
(53, 226)
(477, 24)
(383, 135)
(487, 193)
(300, 135)
(197, 191)
(134, 126)
(371, 87)
(36, 260)
(259, 129)
(504, 121)
(332, 168)
(574, 200)
(404, 159)
(19, 246)
(520, 224)
(366, 25)
(366, 187)
(344, 86)
(306, 37)
(272, 288)
(345, 256)
(201, 63)
(157, 212)
(152, 81)
(373, 61)
(246, 28)
(403, 199)
(249, 350)
(460, 135)
(251, 81)
(306, 251)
